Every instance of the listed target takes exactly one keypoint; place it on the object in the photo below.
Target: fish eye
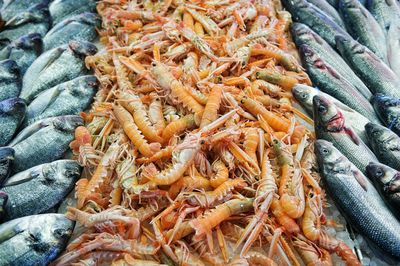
(325, 151)
(379, 172)
(321, 109)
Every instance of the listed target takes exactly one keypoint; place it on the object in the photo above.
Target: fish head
(3, 202)
(13, 106)
(378, 134)
(303, 32)
(89, 18)
(61, 171)
(35, 14)
(309, 57)
(381, 173)
(348, 46)
(345, 4)
(385, 105)
(9, 69)
(327, 115)
(31, 41)
(87, 85)
(82, 48)
(304, 95)
(67, 123)
(326, 152)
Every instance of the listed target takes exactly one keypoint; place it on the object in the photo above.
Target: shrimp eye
(153, 64)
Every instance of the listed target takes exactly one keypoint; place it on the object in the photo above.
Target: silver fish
(68, 98)
(393, 42)
(62, 9)
(304, 95)
(329, 10)
(81, 27)
(6, 159)
(56, 66)
(34, 240)
(44, 141)
(10, 79)
(331, 125)
(23, 50)
(385, 144)
(51, 183)
(384, 11)
(12, 113)
(358, 200)
(12, 7)
(34, 20)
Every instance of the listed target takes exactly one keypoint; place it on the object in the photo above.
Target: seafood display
(190, 132)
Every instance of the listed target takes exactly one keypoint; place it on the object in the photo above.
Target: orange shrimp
(257, 258)
(132, 131)
(273, 76)
(189, 183)
(221, 174)
(134, 105)
(285, 59)
(288, 223)
(311, 223)
(205, 223)
(210, 198)
(311, 253)
(106, 165)
(250, 144)
(156, 114)
(178, 126)
(188, 20)
(211, 110)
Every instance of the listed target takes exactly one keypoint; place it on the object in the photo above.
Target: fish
(10, 79)
(6, 160)
(56, 66)
(3, 202)
(304, 95)
(358, 200)
(329, 10)
(384, 11)
(68, 98)
(81, 27)
(12, 7)
(23, 50)
(62, 9)
(388, 110)
(12, 113)
(35, 239)
(331, 125)
(302, 34)
(374, 72)
(44, 141)
(363, 27)
(334, 3)
(393, 43)
(322, 24)
(327, 79)
(36, 19)
(52, 182)
(387, 182)
(385, 144)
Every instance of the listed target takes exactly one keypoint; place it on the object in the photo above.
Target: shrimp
(211, 110)
(221, 174)
(250, 143)
(132, 131)
(178, 126)
(134, 105)
(208, 24)
(156, 116)
(273, 76)
(310, 253)
(311, 223)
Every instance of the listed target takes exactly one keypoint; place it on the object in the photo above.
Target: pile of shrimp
(193, 152)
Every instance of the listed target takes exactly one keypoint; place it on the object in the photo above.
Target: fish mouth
(336, 123)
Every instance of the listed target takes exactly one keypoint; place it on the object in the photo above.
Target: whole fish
(385, 144)
(329, 81)
(374, 72)
(44, 141)
(34, 240)
(34, 20)
(388, 110)
(6, 160)
(23, 50)
(52, 182)
(393, 43)
(304, 95)
(56, 66)
(68, 98)
(329, 10)
(387, 182)
(322, 24)
(384, 11)
(358, 199)
(10, 79)
(331, 125)
(363, 27)
(12, 113)
(81, 27)
(302, 34)
(12, 7)
(62, 9)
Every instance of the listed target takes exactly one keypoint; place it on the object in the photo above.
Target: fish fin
(361, 179)
(30, 130)
(333, 72)
(349, 131)
(22, 179)
(49, 96)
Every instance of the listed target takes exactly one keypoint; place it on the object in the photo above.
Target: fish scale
(363, 208)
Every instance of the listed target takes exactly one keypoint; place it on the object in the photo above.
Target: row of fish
(351, 53)
(41, 95)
